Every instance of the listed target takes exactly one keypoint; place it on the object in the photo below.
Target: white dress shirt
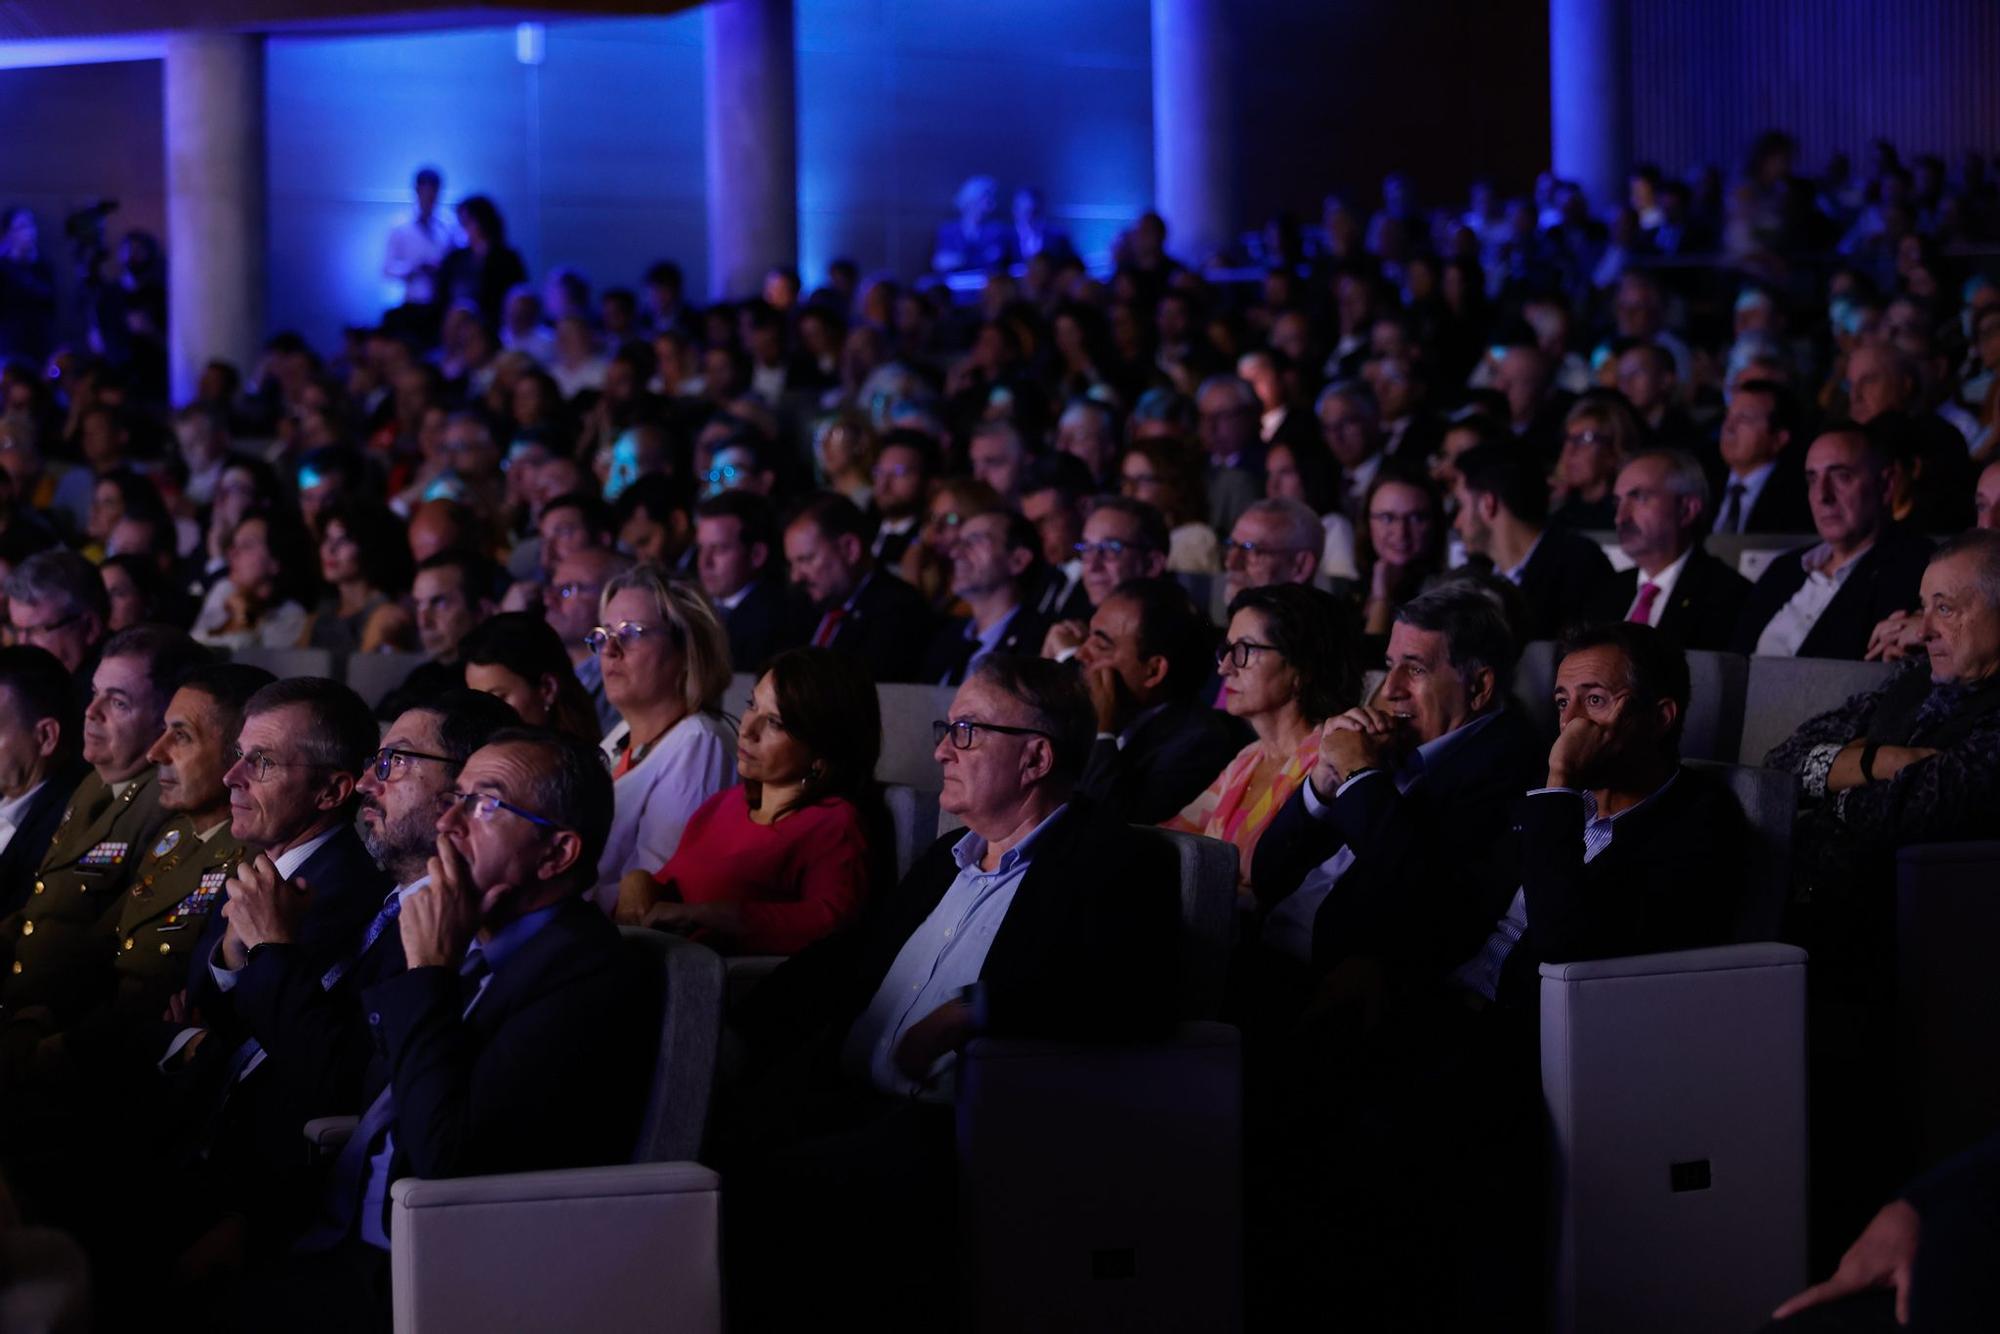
(416, 247)
(654, 798)
(1788, 629)
(13, 812)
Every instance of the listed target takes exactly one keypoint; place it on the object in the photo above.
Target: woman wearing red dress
(784, 857)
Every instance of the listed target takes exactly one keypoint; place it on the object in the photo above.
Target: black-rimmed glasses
(1238, 651)
(962, 730)
(390, 763)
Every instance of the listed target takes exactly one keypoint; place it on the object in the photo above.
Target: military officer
(179, 883)
(62, 941)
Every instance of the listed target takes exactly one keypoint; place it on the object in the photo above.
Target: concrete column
(750, 77)
(214, 114)
(1590, 105)
(1194, 125)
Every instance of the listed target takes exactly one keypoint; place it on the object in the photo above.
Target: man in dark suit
(1824, 601)
(852, 605)
(1052, 499)
(1047, 919)
(307, 1018)
(1674, 585)
(39, 739)
(1391, 850)
(994, 564)
(521, 1035)
(1503, 507)
(1149, 652)
(1764, 488)
(904, 467)
(734, 535)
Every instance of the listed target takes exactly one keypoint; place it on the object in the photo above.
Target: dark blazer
(1561, 581)
(1672, 879)
(32, 836)
(1431, 872)
(1885, 580)
(887, 627)
(1700, 613)
(347, 887)
(1170, 760)
(551, 1069)
(1781, 506)
(755, 625)
(1054, 599)
(949, 651)
(1087, 950)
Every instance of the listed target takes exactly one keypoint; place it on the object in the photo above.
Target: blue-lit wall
(594, 155)
(901, 100)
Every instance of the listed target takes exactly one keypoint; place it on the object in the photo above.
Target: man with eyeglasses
(310, 1017)
(56, 601)
(1229, 419)
(520, 1036)
(291, 783)
(1045, 918)
(994, 561)
(1275, 542)
(1123, 539)
(570, 605)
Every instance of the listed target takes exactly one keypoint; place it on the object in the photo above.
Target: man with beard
(305, 1015)
(1674, 585)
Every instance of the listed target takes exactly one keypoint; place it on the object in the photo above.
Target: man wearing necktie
(306, 1014)
(520, 1037)
(1674, 585)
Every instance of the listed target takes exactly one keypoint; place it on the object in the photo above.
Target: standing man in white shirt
(419, 243)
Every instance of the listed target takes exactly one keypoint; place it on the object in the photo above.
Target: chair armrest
(577, 1183)
(743, 972)
(329, 1134)
(1720, 959)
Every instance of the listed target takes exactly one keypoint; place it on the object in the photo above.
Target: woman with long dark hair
(517, 657)
(784, 857)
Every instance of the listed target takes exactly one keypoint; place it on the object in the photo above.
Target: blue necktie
(387, 915)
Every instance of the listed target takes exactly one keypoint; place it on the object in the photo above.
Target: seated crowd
(1253, 563)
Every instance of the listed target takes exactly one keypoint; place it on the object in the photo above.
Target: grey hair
(1303, 529)
(1474, 629)
(1983, 545)
(59, 574)
(1684, 475)
(1235, 386)
(1354, 391)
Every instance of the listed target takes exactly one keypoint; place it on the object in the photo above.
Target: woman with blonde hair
(1600, 434)
(665, 660)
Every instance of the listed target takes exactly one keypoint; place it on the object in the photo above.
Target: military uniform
(63, 945)
(179, 884)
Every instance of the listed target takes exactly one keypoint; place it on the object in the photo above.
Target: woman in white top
(262, 601)
(665, 660)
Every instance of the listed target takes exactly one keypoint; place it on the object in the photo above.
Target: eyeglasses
(724, 474)
(30, 633)
(629, 635)
(485, 808)
(261, 763)
(390, 763)
(1238, 651)
(1252, 550)
(961, 732)
(883, 471)
(575, 589)
(1587, 438)
(1110, 550)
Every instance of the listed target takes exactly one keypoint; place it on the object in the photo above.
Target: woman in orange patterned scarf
(1287, 664)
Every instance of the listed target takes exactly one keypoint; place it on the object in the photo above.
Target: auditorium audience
(1326, 420)
(782, 858)
(665, 660)
(1287, 663)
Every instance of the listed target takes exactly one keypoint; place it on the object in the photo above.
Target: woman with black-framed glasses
(665, 660)
(1288, 663)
